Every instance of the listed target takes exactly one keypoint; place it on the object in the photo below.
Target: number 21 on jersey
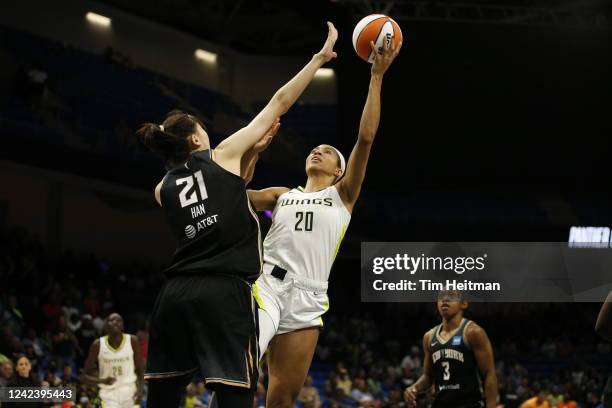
(189, 197)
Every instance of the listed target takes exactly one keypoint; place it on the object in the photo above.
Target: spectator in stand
(68, 308)
(191, 399)
(538, 401)
(68, 378)
(91, 302)
(99, 323)
(52, 379)
(344, 382)
(412, 360)
(394, 400)
(202, 394)
(143, 340)
(33, 358)
(6, 372)
(13, 317)
(65, 343)
(592, 401)
(332, 390)
(74, 322)
(86, 333)
(361, 394)
(24, 377)
(107, 302)
(51, 311)
(309, 395)
(31, 340)
(556, 396)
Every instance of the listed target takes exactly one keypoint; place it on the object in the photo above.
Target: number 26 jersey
(306, 232)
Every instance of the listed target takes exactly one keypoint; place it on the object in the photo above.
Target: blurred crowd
(53, 307)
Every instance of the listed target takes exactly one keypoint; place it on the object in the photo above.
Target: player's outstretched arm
(350, 186)
(603, 327)
(483, 352)
(266, 199)
(262, 199)
(89, 370)
(249, 159)
(425, 381)
(237, 144)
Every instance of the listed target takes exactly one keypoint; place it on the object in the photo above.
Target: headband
(342, 161)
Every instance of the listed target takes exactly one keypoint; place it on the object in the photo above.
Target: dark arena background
(495, 126)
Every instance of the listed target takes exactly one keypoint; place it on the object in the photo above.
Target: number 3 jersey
(210, 215)
(306, 232)
(456, 375)
(116, 362)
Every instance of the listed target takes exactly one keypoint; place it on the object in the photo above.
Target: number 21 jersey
(306, 232)
(210, 215)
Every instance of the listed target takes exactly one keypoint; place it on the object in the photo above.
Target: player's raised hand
(327, 53)
(383, 60)
(410, 395)
(266, 139)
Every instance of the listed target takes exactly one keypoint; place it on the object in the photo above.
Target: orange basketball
(377, 28)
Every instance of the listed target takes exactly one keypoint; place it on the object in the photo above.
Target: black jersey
(456, 375)
(210, 215)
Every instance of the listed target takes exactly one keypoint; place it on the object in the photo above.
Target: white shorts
(118, 397)
(287, 305)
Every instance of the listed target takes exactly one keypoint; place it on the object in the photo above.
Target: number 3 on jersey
(446, 374)
(189, 182)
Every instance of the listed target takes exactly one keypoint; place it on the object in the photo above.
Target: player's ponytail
(170, 140)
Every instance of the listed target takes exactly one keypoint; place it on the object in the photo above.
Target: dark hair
(170, 140)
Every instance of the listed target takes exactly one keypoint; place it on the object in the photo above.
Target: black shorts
(206, 325)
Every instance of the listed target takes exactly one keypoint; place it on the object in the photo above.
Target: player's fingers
(331, 31)
(399, 47)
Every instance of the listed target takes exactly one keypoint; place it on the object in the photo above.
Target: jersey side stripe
(340, 240)
(259, 243)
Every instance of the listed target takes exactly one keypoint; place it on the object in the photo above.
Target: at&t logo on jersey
(190, 231)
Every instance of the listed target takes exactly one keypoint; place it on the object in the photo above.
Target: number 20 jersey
(306, 232)
(209, 212)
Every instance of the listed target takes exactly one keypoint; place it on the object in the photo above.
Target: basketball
(376, 28)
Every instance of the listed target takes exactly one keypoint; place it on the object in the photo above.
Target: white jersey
(117, 363)
(306, 232)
